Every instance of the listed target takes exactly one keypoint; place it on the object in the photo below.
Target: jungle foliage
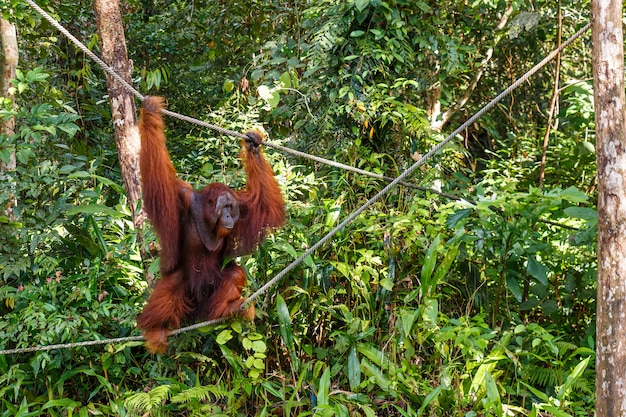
(476, 298)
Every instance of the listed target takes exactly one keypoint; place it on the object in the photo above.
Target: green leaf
(69, 128)
(529, 304)
(259, 346)
(258, 363)
(479, 382)
(372, 353)
(373, 371)
(513, 286)
(257, 74)
(64, 403)
(246, 343)
(99, 178)
(343, 268)
(333, 212)
(386, 283)
(354, 369)
(286, 247)
(407, 320)
(369, 412)
(284, 321)
(434, 394)
(95, 209)
(564, 390)
(232, 359)
(493, 394)
(431, 311)
(324, 388)
(583, 213)
(272, 98)
(537, 270)
(428, 283)
(356, 33)
(588, 147)
(224, 336)
(236, 326)
(555, 411)
(378, 34)
(285, 79)
(228, 86)
(423, 6)
(549, 307)
(309, 262)
(574, 195)
(444, 266)
(360, 5)
(5, 155)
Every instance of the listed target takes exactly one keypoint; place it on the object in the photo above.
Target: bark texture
(113, 46)
(608, 73)
(8, 65)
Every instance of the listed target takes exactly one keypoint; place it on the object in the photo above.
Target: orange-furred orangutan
(200, 232)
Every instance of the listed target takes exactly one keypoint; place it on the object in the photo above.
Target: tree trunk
(113, 46)
(608, 74)
(123, 111)
(8, 65)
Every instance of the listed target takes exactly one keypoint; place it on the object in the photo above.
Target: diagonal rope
(416, 165)
(345, 222)
(86, 50)
(110, 71)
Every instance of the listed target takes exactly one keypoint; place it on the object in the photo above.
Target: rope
(216, 128)
(86, 50)
(416, 165)
(340, 226)
(71, 345)
(297, 153)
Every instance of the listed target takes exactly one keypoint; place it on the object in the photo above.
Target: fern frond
(146, 401)
(565, 346)
(329, 34)
(201, 394)
(543, 377)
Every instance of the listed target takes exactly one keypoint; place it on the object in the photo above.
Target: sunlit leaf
(537, 270)
(224, 336)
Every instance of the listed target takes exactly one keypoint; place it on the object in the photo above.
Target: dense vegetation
(477, 305)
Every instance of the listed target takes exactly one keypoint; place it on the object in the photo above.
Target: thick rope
(345, 222)
(216, 128)
(72, 345)
(86, 50)
(103, 341)
(413, 167)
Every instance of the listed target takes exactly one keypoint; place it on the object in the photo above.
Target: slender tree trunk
(123, 111)
(608, 74)
(113, 46)
(8, 65)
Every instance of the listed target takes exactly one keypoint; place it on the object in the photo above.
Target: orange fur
(227, 297)
(197, 235)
